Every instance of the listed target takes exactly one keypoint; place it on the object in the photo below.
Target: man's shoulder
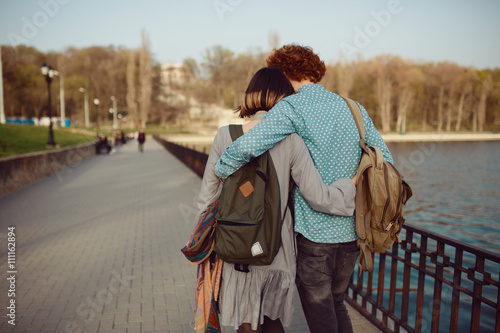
(313, 90)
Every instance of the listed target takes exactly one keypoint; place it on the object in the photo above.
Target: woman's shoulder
(223, 137)
(222, 130)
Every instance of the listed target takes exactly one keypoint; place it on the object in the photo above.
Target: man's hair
(298, 63)
(267, 87)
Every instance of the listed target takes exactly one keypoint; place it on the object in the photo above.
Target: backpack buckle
(241, 268)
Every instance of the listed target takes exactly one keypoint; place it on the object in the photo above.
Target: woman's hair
(298, 63)
(267, 87)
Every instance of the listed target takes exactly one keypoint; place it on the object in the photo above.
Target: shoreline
(388, 137)
(440, 137)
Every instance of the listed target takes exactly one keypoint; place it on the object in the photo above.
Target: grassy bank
(20, 139)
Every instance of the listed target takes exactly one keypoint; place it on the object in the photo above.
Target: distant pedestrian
(120, 138)
(103, 144)
(141, 137)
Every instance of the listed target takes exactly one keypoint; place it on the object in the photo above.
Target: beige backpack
(381, 193)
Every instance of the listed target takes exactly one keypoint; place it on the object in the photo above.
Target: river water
(456, 189)
(456, 193)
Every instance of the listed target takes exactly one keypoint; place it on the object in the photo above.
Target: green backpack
(248, 219)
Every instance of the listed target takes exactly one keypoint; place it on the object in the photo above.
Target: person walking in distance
(141, 137)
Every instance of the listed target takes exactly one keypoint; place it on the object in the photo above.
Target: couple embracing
(313, 140)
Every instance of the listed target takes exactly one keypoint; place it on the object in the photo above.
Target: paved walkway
(97, 248)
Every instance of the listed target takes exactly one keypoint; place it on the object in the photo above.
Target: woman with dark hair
(262, 299)
(326, 244)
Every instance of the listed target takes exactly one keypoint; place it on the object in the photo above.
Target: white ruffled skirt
(264, 291)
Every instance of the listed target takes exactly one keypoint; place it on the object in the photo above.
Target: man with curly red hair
(326, 244)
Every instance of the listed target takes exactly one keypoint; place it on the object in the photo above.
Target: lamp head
(96, 101)
(44, 69)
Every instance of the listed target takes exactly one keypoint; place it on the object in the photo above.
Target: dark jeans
(323, 274)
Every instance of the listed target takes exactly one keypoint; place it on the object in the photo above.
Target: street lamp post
(86, 106)
(61, 97)
(96, 103)
(115, 120)
(49, 73)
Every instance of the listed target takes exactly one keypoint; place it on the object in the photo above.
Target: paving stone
(99, 248)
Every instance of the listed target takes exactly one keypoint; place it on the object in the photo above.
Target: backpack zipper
(396, 216)
(261, 175)
(234, 223)
(400, 192)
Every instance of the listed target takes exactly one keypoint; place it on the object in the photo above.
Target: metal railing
(428, 283)
(193, 159)
(435, 284)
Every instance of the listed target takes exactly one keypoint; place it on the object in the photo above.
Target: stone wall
(21, 170)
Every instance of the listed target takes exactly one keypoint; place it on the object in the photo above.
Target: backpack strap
(236, 131)
(365, 260)
(358, 119)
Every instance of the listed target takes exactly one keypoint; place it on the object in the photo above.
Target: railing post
(380, 288)
(497, 321)
(421, 283)
(438, 286)
(455, 297)
(394, 275)
(477, 292)
(406, 278)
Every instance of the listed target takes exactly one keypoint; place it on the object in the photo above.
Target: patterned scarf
(199, 250)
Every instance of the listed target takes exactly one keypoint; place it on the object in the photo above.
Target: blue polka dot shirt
(326, 125)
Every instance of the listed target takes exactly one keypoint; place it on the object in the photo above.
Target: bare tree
(214, 61)
(487, 85)
(274, 40)
(450, 106)
(131, 89)
(145, 79)
(191, 68)
(384, 95)
(408, 78)
(346, 70)
(448, 73)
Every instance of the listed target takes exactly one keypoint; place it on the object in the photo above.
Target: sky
(465, 32)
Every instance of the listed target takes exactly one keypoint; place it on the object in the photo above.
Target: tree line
(129, 75)
(400, 95)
